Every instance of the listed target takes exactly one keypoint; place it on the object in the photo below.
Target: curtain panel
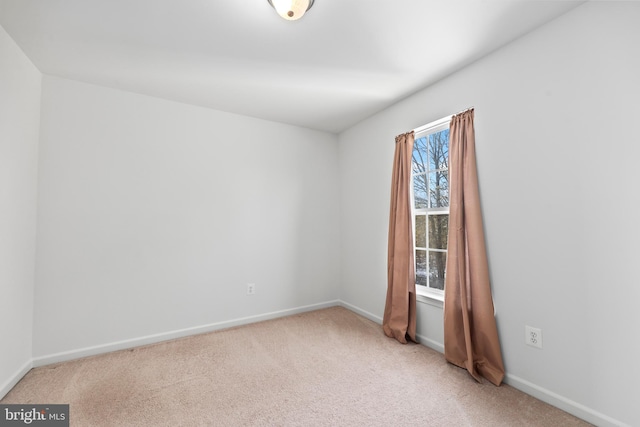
(470, 332)
(399, 319)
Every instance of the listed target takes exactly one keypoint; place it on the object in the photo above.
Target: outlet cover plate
(533, 336)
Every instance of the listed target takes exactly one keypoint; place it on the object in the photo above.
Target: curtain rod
(439, 122)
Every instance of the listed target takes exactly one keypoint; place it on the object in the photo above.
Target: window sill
(435, 299)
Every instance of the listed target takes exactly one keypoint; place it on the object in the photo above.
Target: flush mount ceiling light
(291, 9)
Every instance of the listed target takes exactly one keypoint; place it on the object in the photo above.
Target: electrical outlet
(251, 288)
(533, 336)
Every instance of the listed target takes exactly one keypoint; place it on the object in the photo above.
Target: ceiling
(343, 61)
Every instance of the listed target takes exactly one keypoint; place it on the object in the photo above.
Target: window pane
(439, 189)
(437, 265)
(420, 191)
(421, 267)
(421, 231)
(438, 231)
(420, 158)
(439, 150)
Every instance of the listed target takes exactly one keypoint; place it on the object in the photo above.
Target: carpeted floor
(324, 368)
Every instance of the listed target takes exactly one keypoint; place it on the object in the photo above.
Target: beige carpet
(324, 368)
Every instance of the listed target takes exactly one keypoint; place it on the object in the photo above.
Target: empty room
(319, 212)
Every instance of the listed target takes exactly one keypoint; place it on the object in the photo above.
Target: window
(430, 191)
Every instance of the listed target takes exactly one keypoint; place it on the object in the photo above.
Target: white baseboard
(165, 336)
(427, 342)
(360, 311)
(567, 405)
(17, 376)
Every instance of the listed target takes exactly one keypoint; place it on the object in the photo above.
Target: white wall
(154, 215)
(557, 146)
(19, 117)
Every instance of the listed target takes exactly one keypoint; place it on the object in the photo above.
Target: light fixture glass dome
(291, 9)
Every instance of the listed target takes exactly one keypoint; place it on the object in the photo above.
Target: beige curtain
(399, 320)
(470, 333)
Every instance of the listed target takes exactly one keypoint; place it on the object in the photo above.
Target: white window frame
(428, 294)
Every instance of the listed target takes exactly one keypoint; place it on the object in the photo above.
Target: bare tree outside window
(431, 207)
